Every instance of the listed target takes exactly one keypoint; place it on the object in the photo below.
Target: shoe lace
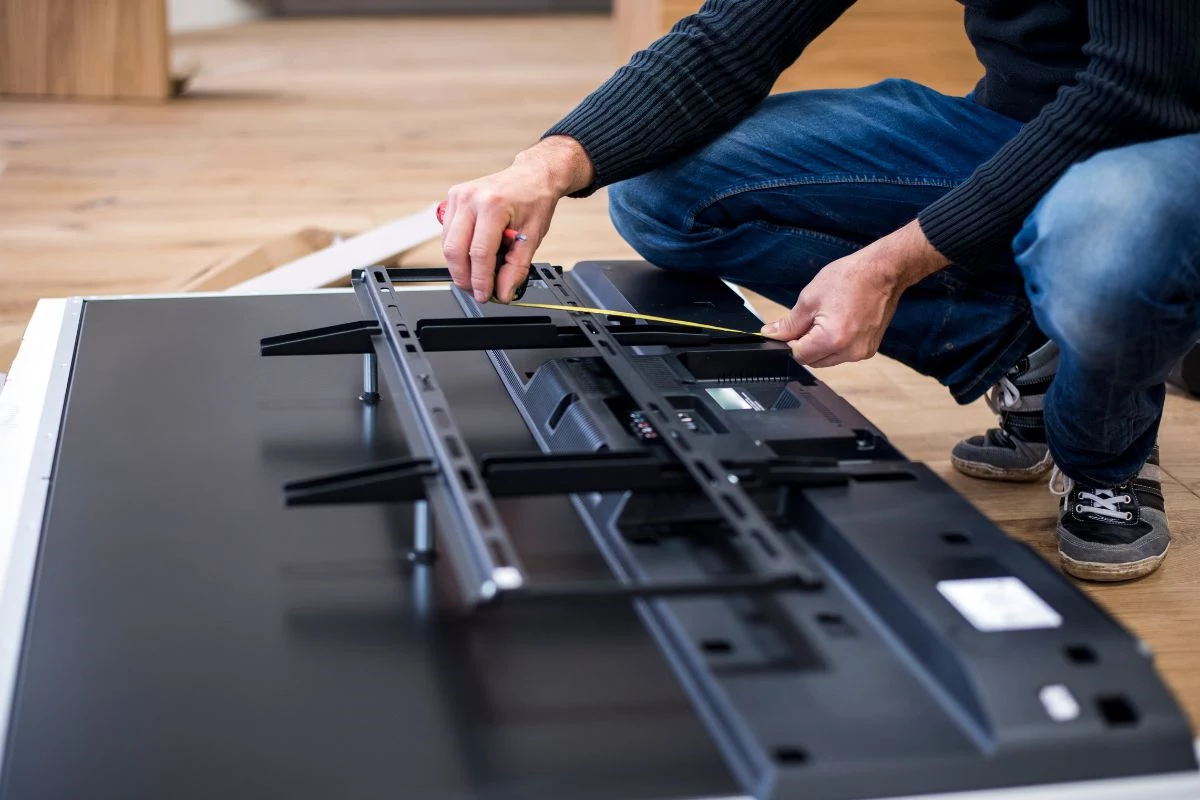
(1060, 484)
(1004, 396)
(1101, 502)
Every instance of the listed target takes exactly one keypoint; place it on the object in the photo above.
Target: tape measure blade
(634, 315)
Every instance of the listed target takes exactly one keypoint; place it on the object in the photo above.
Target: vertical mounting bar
(475, 539)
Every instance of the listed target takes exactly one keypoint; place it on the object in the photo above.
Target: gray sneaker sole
(990, 472)
(1109, 573)
(1110, 562)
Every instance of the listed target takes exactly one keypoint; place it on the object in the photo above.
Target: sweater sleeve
(708, 72)
(1142, 82)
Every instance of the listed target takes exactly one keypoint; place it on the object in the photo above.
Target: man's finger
(456, 242)
(514, 270)
(812, 348)
(828, 361)
(489, 228)
(848, 354)
(791, 326)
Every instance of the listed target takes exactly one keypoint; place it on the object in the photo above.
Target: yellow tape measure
(631, 315)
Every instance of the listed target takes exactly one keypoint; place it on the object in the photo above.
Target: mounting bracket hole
(1081, 654)
(717, 646)
(1117, 710)
(954, 537)
(792, 756)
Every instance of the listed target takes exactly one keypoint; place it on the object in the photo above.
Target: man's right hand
(522, 197)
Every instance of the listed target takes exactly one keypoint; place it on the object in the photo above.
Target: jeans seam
(813, 180)
(807, 232)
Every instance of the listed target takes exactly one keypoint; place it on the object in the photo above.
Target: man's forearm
(563, 160)
(908, 256)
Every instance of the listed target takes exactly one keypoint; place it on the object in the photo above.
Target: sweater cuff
(600, 125)
(581, 126)
(970, 227)
(561, 129)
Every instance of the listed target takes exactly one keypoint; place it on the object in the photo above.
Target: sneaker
(1015, 451)
(1115, 534)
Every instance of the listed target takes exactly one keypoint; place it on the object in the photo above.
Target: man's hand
(843, 312)
(522, 197)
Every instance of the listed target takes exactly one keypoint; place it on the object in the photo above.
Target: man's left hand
(843, 312)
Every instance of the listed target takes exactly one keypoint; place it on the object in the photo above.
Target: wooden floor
(346, 124)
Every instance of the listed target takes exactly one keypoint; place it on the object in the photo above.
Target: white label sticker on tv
(999, 604)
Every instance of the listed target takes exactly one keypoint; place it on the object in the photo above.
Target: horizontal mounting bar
(588, 590)
(346, 339)
(387, 569)
(414, 274)
(538, 332)
(525, 475)
(570, 473)
(483, 333)
(394, 481)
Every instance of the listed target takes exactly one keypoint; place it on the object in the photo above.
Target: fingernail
(480, 297)
(770, 328)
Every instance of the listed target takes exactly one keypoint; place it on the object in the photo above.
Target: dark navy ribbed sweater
(1084, 75)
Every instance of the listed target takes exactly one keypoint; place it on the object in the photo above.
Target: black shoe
(1114, 534)
(1016, 451)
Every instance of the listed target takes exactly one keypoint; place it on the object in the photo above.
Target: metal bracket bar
(402, 481)
(755, 537)
(487, 333)
(484, 559)
(385, 569)
(393, 481)
(419, 274)
(423, 274)
(540, 332)
(346, 339)
(526, 475)
(609, 590)
(572, 473)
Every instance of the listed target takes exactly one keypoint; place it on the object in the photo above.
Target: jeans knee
(627, 210)
(1115, 208)
(651, 216)
(1110, 249)
(648, 218)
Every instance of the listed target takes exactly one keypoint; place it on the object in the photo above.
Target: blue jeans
(1108, 265)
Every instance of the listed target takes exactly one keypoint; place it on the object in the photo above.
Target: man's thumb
(789, 327)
